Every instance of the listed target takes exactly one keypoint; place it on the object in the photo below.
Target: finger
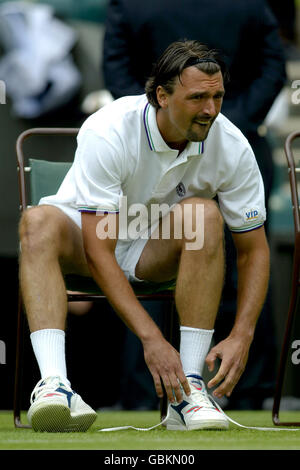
(185, 384)
(157, 385)
(168, 388)
(176, 390)
(210, 360)
(220, 375)
(229, 383)
(226, 387)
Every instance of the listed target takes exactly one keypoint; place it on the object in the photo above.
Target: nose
(209, 108)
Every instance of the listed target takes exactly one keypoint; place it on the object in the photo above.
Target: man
(172, 149)
(247, 34)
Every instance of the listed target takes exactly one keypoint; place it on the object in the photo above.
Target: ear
(162, 96)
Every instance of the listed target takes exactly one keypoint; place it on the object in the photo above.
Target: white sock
(49, 349)
(194, 347)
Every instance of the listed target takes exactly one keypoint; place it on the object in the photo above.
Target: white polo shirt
(121, 153)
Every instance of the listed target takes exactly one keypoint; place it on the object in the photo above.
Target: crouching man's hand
(233, 353)
(165, 366)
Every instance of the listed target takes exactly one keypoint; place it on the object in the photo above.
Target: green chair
(38, 178)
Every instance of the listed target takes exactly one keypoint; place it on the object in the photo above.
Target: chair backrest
(46, 177)
(40, 177)
(294, 171)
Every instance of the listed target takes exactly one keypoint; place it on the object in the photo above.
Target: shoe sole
(81, 423)
(56, 417)
(50, 417)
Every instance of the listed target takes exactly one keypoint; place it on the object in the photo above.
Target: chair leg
(19, 362)
(284, 353)
(170, 326)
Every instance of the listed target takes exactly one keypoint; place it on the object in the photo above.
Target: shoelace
(201, 397)
(41, 389)
(209, 397)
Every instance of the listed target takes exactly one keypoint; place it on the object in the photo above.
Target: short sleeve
(242, 198)
(98, 174)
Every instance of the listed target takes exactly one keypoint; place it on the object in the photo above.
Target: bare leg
(50, 243)
(200, 273)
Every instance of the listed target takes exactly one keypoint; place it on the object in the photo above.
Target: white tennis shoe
(196, 411)
(56, 408)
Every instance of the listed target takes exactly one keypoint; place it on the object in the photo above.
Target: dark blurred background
(95, 357)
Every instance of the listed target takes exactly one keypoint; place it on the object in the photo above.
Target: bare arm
(162, 359)
(253, 277)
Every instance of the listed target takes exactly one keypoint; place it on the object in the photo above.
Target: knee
(213, 218)
(202, 222)
(36, 231)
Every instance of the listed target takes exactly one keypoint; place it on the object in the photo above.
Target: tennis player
(170, 149)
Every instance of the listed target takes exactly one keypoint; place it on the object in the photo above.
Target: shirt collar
(154, 137)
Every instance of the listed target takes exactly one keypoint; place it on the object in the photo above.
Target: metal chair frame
(170, 318)
(293, 302)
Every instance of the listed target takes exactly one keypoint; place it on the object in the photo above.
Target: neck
(180, 146)
(169, 136)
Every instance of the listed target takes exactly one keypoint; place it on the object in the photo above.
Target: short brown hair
(178, 56)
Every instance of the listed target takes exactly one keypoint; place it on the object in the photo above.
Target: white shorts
(127, 252)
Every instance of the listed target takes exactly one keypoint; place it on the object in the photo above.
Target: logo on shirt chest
(180, 189)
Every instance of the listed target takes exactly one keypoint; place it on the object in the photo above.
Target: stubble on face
(193, 136)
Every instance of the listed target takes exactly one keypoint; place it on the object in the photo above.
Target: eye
(197, 97)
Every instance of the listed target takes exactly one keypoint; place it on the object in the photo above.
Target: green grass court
(157, 439)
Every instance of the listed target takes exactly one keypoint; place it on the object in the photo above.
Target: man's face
(188, 113)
